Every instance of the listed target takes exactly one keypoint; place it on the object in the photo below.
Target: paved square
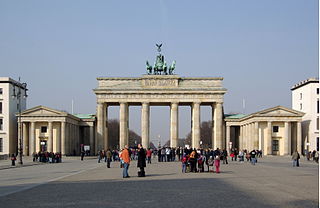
(271, 183)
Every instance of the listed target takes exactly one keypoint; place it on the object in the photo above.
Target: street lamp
(22, 91)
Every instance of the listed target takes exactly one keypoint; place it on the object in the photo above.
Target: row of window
(301, 93)
(318, 108)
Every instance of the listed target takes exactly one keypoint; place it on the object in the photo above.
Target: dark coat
(141, 158)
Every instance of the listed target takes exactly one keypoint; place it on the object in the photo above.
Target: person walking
(108, 156)
(141, 161)
(125, 156)
(295, 159)
(13, 160)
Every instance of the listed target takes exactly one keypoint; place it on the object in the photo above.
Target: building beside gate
(47, 129)
(9, 106)
(305, 98)
(275, 131)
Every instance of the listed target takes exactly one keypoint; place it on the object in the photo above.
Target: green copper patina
(160, 66)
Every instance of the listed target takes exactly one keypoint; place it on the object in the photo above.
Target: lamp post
(22, 91)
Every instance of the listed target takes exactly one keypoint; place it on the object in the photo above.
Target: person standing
(217, 163)
(149, 154)
(225, 156)
(141, 160)
(253, 156)
(193, 161)
(108, 156)
(184, 162)
(13, 160)
(125, 156)
(295, 159)
(82, 155)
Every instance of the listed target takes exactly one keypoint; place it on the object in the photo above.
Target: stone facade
(305, 98)
(46, 129)
(151, 90)
(9, 106)
(275, 131)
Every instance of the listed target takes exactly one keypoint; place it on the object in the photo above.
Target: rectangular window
(317, 91)
(1, 107)
(1, 144)
(275, 129)
(43, 129)
(300, 106)
(1, 124)
(300, 96)
(1, 91)
(318, 106)
(317, 143)
(317, 123)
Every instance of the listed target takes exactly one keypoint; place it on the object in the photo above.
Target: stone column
(123, 125)
(286, 139)
(196, 125)
(67, 140)
(58, 139)
(25, 139)
(100, 127)
(145, 120)
(218, 117)
(105, 124)
(252, 136)
(92, 141)
(228, 138)
(50, 138)
(244, 137)
(248, 137)
(32, 140)
(269, 138)
(63, 137)
(299, 138)
(241, 138)
(290, 139)
(174, 123)
(261, 141)
(256, 136)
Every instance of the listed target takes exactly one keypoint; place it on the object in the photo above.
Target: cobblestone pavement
(272, 182)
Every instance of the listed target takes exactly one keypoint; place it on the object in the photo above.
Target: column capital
(196, 103)
(145, 103)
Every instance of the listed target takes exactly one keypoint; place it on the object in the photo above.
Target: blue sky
(261, 48)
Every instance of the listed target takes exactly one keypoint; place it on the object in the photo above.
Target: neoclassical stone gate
(155, 90)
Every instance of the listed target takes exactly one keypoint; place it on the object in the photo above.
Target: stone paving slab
(273, 182)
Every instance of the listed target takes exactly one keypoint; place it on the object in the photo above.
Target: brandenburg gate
(160, 87)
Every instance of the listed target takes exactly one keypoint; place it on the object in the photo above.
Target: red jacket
(125, 156)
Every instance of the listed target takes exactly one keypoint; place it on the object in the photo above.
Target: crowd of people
(47, 157)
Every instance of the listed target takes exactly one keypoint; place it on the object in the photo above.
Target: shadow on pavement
(175, 193)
